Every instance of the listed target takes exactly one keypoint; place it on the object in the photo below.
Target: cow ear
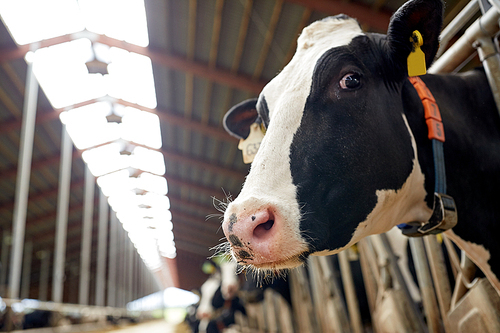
(240, 117)
(426, 16)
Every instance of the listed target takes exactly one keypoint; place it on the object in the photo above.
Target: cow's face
(338, 161)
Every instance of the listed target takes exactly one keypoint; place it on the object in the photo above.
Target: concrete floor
(155, 326)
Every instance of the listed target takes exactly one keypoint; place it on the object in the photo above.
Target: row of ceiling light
(120, 144)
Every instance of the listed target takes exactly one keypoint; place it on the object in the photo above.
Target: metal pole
(130, 271)
(6, 239)
(120, 263)
(44, 275)
(126, 267)
(88, 214)
(62, 216)
(440, 277)
(101, 250)
(425, 282)
(486, 25)
(456, 24)
(23, 181)
(383, 241)
(113, 242)
(491, 63)
(350, 293)
(25, 286)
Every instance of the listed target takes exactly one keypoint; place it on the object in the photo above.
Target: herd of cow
(352, 148)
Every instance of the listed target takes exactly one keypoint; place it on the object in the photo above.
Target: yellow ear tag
(416, 59)
(250, 145)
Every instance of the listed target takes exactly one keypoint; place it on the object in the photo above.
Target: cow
(218, 300)
(346, 151)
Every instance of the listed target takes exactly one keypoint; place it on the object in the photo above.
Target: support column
(4, 257)
(124, 260)
(25, 286)
(62, 216)
(44, 275)
(88, 214)
(23, 181)
(130, 272)
(113, 251)
(120, 269)
(102, 250)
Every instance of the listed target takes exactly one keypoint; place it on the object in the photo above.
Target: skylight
(120, 144)
(119, 19)
(127, 123)
(34, 20)
(65, 79)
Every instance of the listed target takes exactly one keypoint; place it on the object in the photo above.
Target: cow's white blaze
(269, 183)
(208, 289)
(229, 283)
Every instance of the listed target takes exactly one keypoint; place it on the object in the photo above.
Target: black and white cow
(346, 152)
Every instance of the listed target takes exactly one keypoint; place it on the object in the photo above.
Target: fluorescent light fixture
(106, 159)
(120, 182)
(110, 158)
(152, 183)
(33, 20)
(119, 19)
(65, 79)
(63, 76)
(148, 160)
(88, 127)
(131, 77)
(132, 213)
(115, 183)
(141, 127)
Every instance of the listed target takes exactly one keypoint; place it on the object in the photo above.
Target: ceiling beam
(205, 190)
(202, 164)
(178, 201)
(264, 52)
(38, 164)
(377, 20)
(169, 154)
(169, 117)
(158, 56)
(165, 115)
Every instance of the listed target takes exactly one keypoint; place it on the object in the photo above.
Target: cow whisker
(221, 249)
(211, 216)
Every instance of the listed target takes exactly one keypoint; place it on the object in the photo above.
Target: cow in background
(346, 153)
(218, 299)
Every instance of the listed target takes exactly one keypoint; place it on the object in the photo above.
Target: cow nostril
(262, 228)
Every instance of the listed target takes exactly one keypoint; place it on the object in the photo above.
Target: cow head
(338, 161)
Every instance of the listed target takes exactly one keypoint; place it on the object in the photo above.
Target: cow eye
(350, 81)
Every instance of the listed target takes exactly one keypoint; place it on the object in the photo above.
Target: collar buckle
(444, 217)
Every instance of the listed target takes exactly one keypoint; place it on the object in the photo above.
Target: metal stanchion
(101, 250)
(88, 214)
(62, 216)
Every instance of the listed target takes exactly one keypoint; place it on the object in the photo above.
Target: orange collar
(444, 215)
(432, 114)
